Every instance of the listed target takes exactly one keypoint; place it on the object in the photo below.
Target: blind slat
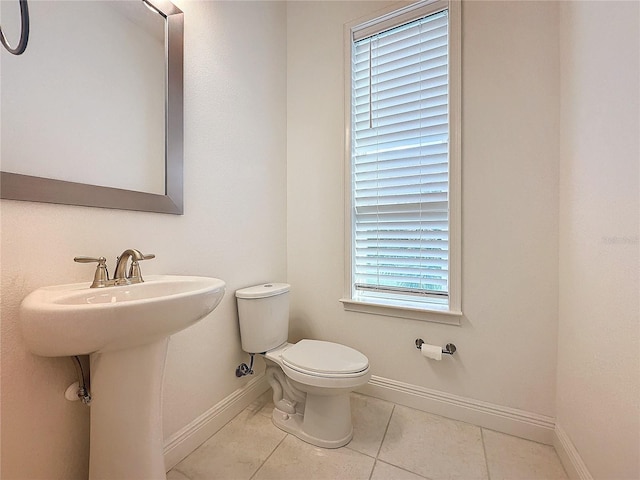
(423, 150)
(413, 83)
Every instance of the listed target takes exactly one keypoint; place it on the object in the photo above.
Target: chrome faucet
(120, 275)
(135, 276)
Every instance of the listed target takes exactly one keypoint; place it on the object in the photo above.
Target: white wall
(510, 107)
(599, 328)
(233, 228)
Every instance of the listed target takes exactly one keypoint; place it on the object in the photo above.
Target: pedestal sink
(125, 330)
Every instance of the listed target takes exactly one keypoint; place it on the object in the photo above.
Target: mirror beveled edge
(14, 186)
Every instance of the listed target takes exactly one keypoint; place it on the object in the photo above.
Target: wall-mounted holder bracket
(449, 348)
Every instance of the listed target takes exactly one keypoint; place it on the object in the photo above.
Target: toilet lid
(324, 357)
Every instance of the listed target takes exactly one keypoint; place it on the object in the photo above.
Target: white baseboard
(187, 439)
(569, 456)
(520, 423)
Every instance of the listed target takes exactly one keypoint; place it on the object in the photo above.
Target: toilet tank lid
(262, 291)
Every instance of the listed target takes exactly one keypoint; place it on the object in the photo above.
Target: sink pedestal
(126, 413)
(125, 330)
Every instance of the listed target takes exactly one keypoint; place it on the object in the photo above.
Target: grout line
(180, 472)
(268, 457)
(484, 451)
(385, 430)
(404, 469)
(375, 462)
(347, 447)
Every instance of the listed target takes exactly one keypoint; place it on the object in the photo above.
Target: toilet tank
(263, 314)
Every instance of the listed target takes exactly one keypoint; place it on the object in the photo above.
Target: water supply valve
(244, 369)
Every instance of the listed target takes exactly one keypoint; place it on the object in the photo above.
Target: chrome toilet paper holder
(449, 348)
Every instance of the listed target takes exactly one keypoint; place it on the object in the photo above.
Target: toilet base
(294, 424)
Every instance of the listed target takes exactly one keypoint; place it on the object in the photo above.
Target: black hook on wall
(24, 31)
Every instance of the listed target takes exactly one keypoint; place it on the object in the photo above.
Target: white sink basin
(73, 319)
(125, 330)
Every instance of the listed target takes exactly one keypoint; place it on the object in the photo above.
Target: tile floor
(389, 442)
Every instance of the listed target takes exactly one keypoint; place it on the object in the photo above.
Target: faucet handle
(90, 260)
(101, 277)
(135, 275)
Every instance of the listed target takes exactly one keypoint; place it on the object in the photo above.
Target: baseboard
(532, 426)
(186, 440)
(569, 456)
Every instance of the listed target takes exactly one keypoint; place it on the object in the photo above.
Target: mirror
(92, 111)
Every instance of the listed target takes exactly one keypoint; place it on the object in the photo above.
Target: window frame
(382, 20)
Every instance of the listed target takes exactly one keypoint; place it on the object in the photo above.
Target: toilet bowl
(321, 375)
(311, 379)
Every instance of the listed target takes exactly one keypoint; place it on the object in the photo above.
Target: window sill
(431, 313)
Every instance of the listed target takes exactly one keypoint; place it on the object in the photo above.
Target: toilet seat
(310, 362)
(324, 359)
(306, 362)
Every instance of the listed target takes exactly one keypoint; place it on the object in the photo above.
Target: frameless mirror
(92, 111)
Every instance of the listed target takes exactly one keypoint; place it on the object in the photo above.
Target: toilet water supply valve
(243, 369)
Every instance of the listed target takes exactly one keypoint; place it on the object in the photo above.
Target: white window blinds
(400, 153)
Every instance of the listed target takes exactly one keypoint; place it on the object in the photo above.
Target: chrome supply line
(83, 390)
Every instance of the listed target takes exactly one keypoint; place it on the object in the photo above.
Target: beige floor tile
(433, 446)
(236, 451)
(384, 471)
(263, 404)
(297, 460)
(370, 418)
(514, 458)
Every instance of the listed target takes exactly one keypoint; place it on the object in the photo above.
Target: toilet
(311, 379)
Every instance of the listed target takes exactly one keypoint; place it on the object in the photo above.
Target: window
(403, 172)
